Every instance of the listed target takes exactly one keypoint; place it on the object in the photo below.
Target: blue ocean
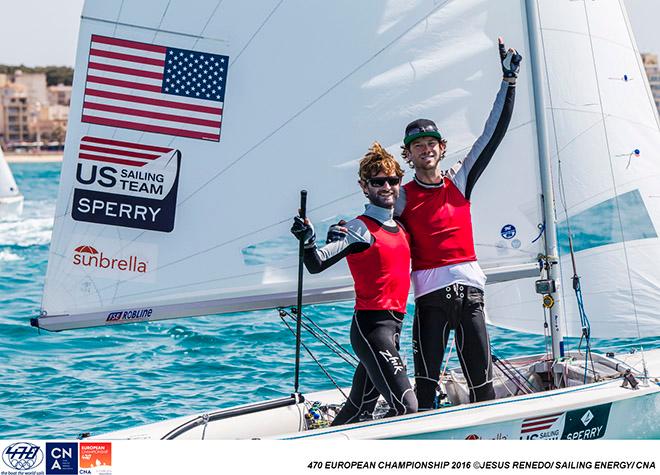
(58, 385)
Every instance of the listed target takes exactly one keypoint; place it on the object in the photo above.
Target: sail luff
(552, 247)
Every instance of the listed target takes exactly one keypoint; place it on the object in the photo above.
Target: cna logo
(22, 456)
(88, 256)
(61, 458)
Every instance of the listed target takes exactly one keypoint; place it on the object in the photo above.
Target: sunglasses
(419, 130)
(380, 181)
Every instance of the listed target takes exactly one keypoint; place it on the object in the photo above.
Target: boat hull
(601, 410)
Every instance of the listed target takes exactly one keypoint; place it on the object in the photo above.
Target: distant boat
(11, 200)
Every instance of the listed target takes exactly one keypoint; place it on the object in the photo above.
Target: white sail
(308, 88)
(11, 199)
(605, 136)
(8, 187)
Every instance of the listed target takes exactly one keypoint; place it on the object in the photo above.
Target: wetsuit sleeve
(467, 171)
(400, 204)
(357, 239)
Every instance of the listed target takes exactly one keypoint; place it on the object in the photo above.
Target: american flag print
(153, 88)
(535, 424)
(119, 152)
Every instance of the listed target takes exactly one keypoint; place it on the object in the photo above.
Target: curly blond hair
(377, 160)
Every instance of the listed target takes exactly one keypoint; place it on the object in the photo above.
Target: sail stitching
(311, 103)
(256, 32)
(208, 22)
(609, 153)
(203, 251)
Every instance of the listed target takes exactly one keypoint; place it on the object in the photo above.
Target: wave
(34, 228)
(8, 256)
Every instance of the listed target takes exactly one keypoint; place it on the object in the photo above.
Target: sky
(45, 32)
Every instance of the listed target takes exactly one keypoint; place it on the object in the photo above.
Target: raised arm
(467, 171)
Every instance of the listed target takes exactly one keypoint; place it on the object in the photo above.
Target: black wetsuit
(374, 333)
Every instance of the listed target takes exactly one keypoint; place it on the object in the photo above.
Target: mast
(551, 245)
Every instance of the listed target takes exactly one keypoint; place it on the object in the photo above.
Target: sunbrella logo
(22, 456)
(87, 256)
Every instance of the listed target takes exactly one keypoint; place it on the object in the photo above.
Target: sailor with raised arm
(378, 256)
(448, 282)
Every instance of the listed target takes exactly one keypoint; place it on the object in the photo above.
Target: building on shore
(32, 114)
(653, 74)
(14, 114)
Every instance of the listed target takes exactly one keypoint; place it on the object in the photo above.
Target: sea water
(58, 385)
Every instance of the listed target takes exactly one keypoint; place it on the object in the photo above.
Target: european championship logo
(95, 458)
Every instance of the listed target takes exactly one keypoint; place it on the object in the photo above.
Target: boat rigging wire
(309, 352)
(323, 337)
(513, 374)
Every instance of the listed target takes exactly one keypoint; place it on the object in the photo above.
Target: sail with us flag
(154, 88)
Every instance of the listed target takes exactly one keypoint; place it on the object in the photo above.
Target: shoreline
(33, 158)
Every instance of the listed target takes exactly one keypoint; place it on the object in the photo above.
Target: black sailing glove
(510, 62)
(303, 230)
(336, 232)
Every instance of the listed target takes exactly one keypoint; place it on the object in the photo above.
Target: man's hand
(303, 231)
(336, 232)
(510, 62)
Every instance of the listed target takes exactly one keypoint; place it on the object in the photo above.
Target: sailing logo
(542, 428)
(587, 424)
(130, 315)
(153, 88)
(508, 231)
(88, 256)
(587, 418)
(126, 184)
(22, 456)
(61, 458)
(95, 458)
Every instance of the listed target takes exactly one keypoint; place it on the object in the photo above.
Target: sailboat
(197, 128)
(11, 199)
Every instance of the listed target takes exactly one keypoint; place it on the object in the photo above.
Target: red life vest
(382, 272)
(440, 225)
